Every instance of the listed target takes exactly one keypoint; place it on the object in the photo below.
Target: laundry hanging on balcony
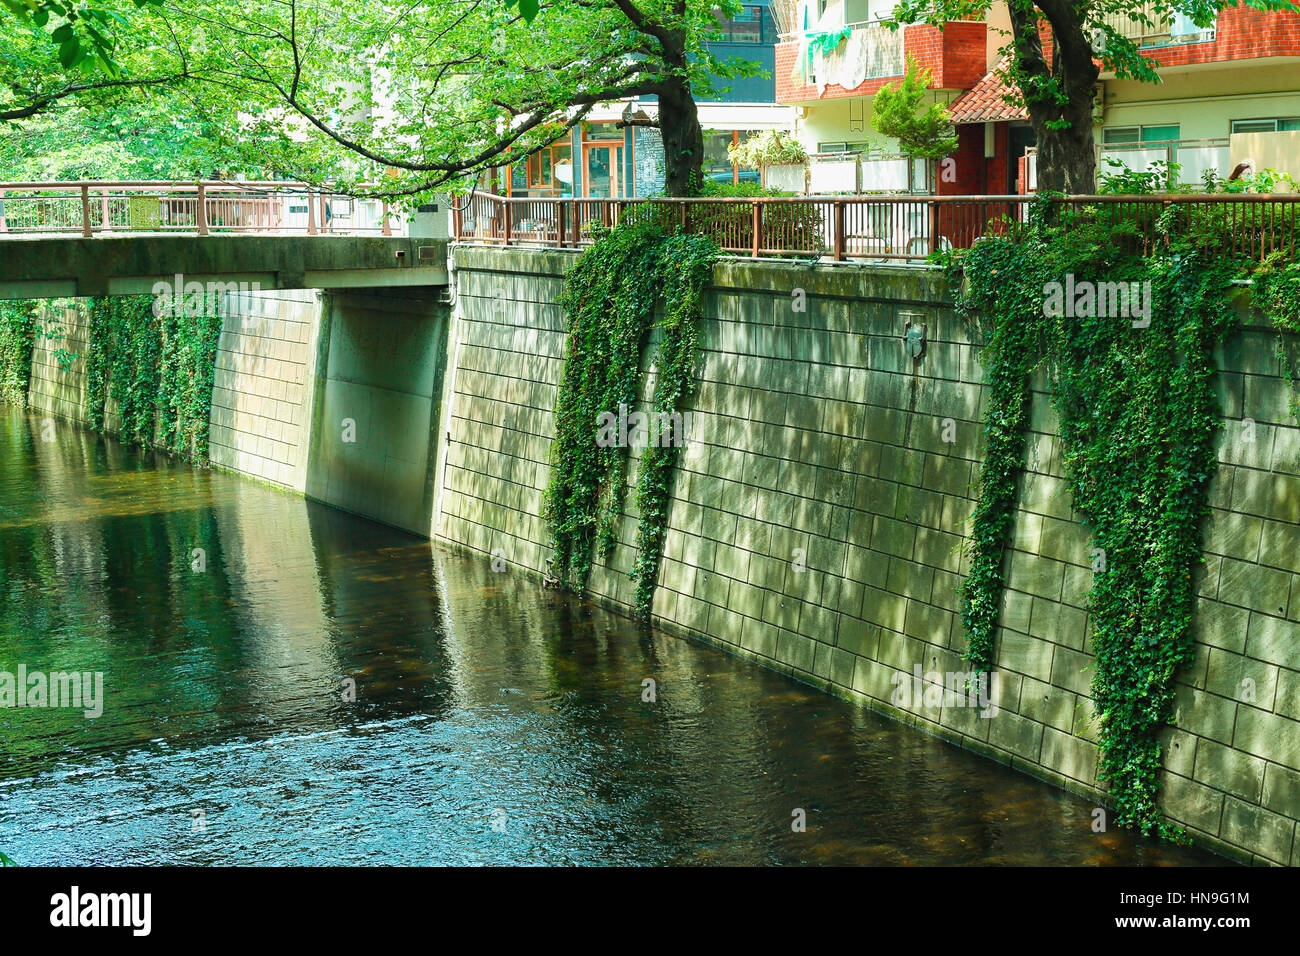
(816, 43)
(844, 65)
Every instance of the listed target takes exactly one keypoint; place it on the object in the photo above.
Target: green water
(494, 722)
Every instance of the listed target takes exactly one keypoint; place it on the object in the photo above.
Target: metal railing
(197, 208)
(871, 228)
(1193, 156)
(1158, 29)
(866, 228)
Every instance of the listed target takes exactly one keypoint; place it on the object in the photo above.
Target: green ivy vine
(610, 298)
(1277, 293)
(1138, 422)
(18, 324)
(158, 369)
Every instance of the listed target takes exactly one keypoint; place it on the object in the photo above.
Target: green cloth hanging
(821, 42)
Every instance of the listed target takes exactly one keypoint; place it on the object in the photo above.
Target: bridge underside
(58, 267)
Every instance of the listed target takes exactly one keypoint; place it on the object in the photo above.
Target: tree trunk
(683, 139)
(1067, 161)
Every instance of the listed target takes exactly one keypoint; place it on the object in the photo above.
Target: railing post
(103, 211)
(559, 223)
(457, 222)
(757, 218)
(311, 214)
(4, 222)
(506, 216)
(388, 229)
(577, 223)
(203, 209)
(934, 226)
(85, 211)
(839, 231)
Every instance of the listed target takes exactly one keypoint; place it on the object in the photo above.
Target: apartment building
(1229, 94)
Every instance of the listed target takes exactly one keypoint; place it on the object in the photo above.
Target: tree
(55, 54)
(428, 95)
(133, 134)
(1058, 49)
(923, 132)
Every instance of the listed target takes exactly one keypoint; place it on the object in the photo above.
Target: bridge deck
(50, 267)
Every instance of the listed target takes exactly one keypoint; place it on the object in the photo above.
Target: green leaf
(70, 53)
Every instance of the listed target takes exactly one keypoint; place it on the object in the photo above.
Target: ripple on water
(493, 722)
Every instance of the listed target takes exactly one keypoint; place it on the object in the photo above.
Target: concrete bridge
(57, 267)
(70, 239)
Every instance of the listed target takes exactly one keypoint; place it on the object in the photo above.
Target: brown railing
(906, 228)
(199, 208)
(865, 227)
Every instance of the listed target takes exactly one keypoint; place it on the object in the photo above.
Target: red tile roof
(987, 100)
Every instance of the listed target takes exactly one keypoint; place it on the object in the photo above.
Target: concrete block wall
(262, 381)
(261, 391)
(57, 388)
(820, 512)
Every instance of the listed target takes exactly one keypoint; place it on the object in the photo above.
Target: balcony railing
(851, 173)
(1193, 156)
(1155, 29)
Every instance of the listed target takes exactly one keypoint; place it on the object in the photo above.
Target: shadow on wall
(377, 409)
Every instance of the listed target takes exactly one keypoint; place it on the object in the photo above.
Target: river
(284, 683)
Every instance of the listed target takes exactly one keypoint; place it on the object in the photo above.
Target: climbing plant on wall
(157, 368)
(18, 324)
(1133, 390)
(1277, 292)
(610, 299)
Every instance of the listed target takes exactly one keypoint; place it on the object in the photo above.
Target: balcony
(1194, 157)
(857, 59)
(1152, 29)
(871, 51)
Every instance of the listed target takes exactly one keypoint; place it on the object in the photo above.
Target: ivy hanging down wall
(158, 370)
(611, 297)
(1133, 389)
(18, 324)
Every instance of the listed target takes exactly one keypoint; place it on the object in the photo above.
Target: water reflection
(493, 723)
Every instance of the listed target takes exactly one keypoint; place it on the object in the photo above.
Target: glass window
(1254, 126)
(841, 147)
(1159, 134)
(1121, 134)
(1265, 125)
(562, 168)
(602, 131)
(753, 24)
(717, 164)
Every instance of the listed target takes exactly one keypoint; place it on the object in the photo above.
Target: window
(753, 24)
(1280, 125)
(1120, 135)
(842, 147)
(538, 173)
(601, 131)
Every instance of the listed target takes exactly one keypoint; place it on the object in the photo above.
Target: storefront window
(602, 131)
(562, 169)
